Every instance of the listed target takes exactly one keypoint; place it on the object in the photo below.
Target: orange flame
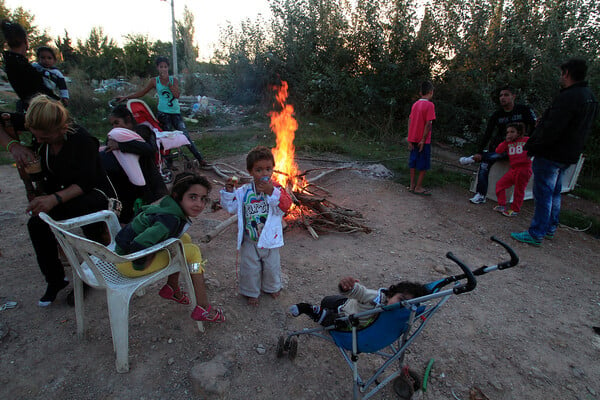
(284, 126)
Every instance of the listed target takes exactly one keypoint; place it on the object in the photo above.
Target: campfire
(311, 207)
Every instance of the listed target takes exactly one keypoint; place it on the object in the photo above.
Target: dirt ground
(523, 333)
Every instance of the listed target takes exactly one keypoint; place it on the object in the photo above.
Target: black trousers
(43, 240)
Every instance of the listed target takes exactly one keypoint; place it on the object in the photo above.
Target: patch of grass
(214, 146)
(588, 188)
(580, 221)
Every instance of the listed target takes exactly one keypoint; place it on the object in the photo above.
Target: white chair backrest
(98, 267)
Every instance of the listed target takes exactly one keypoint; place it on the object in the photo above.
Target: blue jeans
(547, 185)
(488, 158)
(171, 122)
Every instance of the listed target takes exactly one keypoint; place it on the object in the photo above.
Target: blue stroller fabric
(385, 330)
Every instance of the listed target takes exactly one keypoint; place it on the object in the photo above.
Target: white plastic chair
(99, 271)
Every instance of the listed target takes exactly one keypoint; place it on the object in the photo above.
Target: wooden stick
(218, 229)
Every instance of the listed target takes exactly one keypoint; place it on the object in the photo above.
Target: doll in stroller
(383, 323)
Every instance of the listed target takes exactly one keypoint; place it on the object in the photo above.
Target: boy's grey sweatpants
(260, 269)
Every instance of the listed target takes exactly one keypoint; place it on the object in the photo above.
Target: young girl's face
(120, 123)
(163, 69)
(262, 170)
(511, 134)
(194, 200)
(46, 59)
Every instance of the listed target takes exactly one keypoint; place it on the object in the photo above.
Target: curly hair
(258, 153)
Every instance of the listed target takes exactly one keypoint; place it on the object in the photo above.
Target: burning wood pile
(312, 209)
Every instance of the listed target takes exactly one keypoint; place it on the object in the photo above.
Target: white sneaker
(466, 160)
(477, 199)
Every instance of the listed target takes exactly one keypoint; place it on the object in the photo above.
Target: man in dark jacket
(556, 143)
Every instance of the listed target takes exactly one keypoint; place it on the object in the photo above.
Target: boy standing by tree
(420, 122)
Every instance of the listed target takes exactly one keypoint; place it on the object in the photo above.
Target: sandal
(167, 292)
(200, 314)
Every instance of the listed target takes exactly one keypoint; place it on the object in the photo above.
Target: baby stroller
(166, 141)
(396, 326)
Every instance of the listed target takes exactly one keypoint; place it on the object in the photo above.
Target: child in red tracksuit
(519, 172)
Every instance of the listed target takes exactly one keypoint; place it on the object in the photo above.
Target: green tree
(27, 21)
(100, 56)
(137, 60)
(187, 51)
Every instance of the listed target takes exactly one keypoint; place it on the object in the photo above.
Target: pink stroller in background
(165, 141)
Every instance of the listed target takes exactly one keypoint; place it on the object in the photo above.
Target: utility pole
(175, 69)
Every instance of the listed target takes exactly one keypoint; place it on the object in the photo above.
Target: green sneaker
(525, 237)
(549, 236)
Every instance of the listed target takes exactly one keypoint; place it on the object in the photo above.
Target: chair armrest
(170, 244)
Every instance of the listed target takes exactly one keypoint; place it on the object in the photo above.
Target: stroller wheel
(292, 347)
(407, 384)
(280, 347)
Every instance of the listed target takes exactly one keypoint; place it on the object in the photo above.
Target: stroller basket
(392, 331)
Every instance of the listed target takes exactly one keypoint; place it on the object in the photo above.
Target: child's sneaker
(500, 209)
(304, 308)
(510, 213)
(466, 160)
(477, 199)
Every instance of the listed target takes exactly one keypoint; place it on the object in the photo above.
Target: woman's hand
(112, 145)
(23, 155)
(42, 204)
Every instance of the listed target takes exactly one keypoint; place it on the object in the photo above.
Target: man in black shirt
(494, 135)
(557, 143)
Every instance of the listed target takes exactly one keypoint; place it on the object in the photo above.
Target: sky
(152, 17)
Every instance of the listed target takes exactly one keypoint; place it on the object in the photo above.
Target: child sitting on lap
(169, 219)
(356, 298)
(519, 172)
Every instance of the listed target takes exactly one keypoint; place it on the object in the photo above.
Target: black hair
(576, 67)
(121, 111)
(509, 88)
(426, 87)
(258, 153)
(519, 127)
(14, 34)
(184, 181)
(42, 49)
(162, 59)
(411, 288)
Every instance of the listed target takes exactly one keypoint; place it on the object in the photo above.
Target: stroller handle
(471, 281)
(514, 259)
